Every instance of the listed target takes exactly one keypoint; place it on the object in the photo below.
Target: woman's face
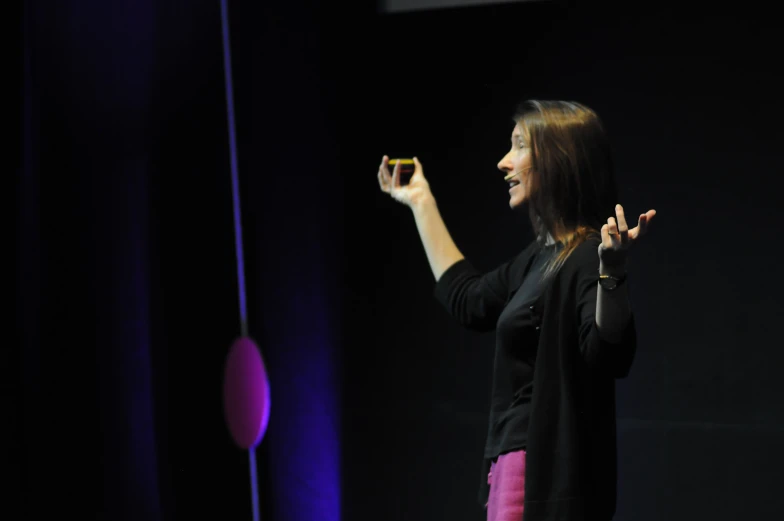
(516, 165)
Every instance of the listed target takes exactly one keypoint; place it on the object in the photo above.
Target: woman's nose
(505, 165)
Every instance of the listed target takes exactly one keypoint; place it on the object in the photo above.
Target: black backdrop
(126, 296)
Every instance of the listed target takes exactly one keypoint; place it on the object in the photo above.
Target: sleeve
(615, 358)
(474, 299)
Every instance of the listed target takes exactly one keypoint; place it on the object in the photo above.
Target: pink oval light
(246, 396)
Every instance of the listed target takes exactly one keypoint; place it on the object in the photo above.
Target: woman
(561, 312)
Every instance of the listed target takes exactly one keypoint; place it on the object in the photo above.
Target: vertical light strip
(235, 180)
(254, 479)
(235, 194)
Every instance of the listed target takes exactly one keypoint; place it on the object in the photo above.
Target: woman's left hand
(617, 238)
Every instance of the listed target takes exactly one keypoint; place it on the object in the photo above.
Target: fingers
(606, 240)
(384, 180)
(417, 167)
(396, 176)
(623, 228)
(638, 230)
(619, 235)
(642, 224)
(612, 228)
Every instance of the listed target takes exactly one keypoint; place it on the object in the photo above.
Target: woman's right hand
(416, 191)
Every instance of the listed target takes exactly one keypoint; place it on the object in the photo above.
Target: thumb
(418, 171)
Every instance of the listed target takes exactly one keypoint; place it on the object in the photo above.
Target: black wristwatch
(610, 282)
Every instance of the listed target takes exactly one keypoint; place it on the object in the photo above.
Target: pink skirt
(507, 487)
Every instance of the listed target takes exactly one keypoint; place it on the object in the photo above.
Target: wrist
(613, 271)
(423, 203)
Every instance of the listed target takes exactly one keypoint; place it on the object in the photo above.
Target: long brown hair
(572, 183)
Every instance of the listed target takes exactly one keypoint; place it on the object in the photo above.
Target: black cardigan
(571, 442)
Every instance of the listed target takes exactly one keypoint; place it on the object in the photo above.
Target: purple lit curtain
(125, 295)
(83, 259)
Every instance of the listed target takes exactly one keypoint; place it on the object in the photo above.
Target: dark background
(125, 294)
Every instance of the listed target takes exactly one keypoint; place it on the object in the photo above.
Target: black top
(570, 436)
(517, 332)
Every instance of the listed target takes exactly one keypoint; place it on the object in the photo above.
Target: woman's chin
(516, 202)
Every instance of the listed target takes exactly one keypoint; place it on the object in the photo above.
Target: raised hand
(417, 189)
(617, 238)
